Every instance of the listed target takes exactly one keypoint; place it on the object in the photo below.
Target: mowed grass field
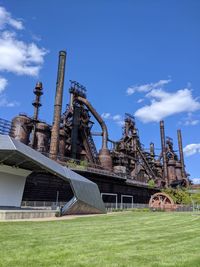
(120, 239)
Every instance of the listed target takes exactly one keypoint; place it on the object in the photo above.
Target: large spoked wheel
(161, 201)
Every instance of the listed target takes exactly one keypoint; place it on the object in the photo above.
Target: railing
(54, 205)
(124, 206)
(90, 167)
(42, 204)
(110, 207)
(5, 126)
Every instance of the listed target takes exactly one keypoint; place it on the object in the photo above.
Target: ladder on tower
(93, 147)
(148, 168)
(90, 147)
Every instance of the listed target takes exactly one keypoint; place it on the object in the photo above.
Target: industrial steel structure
(126, 169)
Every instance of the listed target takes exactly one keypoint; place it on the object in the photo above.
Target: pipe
(152, 150)
(180, 145)
(97, 133)
(98, 118)
(58, 105)
(162, 135)
(71, 100)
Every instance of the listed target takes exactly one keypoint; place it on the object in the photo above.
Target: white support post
(110, 194)
(126, 196)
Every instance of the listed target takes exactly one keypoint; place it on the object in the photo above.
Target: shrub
(57, 213)
(180, 196)
(84, 163)
(140, 209)
(195, 198)
(71, 164)
(151, 183)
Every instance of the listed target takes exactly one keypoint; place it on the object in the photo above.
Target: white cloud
(164, 104)
(120, 122)
(16, 55)
(7, 19)
(146, 87)
(19, 57)
(191, 122)
(196, 180)
(140, 100)
(190, 119)
(105, 115)
(5, 103)
(3, 99)
(3, 84)
(118, 119)
(191, 149)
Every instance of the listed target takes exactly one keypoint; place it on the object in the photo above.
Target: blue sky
(139, 56)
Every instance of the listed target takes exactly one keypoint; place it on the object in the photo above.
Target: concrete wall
(12, 181)
(25, 214)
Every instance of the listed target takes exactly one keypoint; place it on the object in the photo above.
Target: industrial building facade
(124, 170)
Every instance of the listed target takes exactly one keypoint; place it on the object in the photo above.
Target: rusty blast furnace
(69, 140)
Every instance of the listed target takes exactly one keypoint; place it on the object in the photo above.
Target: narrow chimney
(162, 135)
(58, 106)
(38, 92)
(180, 145)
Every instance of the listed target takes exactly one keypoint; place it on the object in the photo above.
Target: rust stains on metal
(180, 145)
(21, 128)
(58, 105)
(164, 156)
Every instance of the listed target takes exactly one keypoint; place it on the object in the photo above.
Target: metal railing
(110, 207)
(80, 165)
(54, 205)
(124, 206)
(5, 126)
(42, 204)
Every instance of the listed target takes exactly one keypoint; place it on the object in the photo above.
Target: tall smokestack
(162, 135)
(58, 106)
(180, 145)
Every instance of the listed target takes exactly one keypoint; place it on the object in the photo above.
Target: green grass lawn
(121, 239)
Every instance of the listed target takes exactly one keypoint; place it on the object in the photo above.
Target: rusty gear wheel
(161, 201)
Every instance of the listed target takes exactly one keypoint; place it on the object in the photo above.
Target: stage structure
(18, 161)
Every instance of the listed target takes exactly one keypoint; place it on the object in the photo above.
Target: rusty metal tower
(163, 145)
(36, 103)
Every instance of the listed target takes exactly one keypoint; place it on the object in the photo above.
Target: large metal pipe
(104, 154)
(99, 119)
(164, 156)
(58, 105)
(180, 145)
(152, 150)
